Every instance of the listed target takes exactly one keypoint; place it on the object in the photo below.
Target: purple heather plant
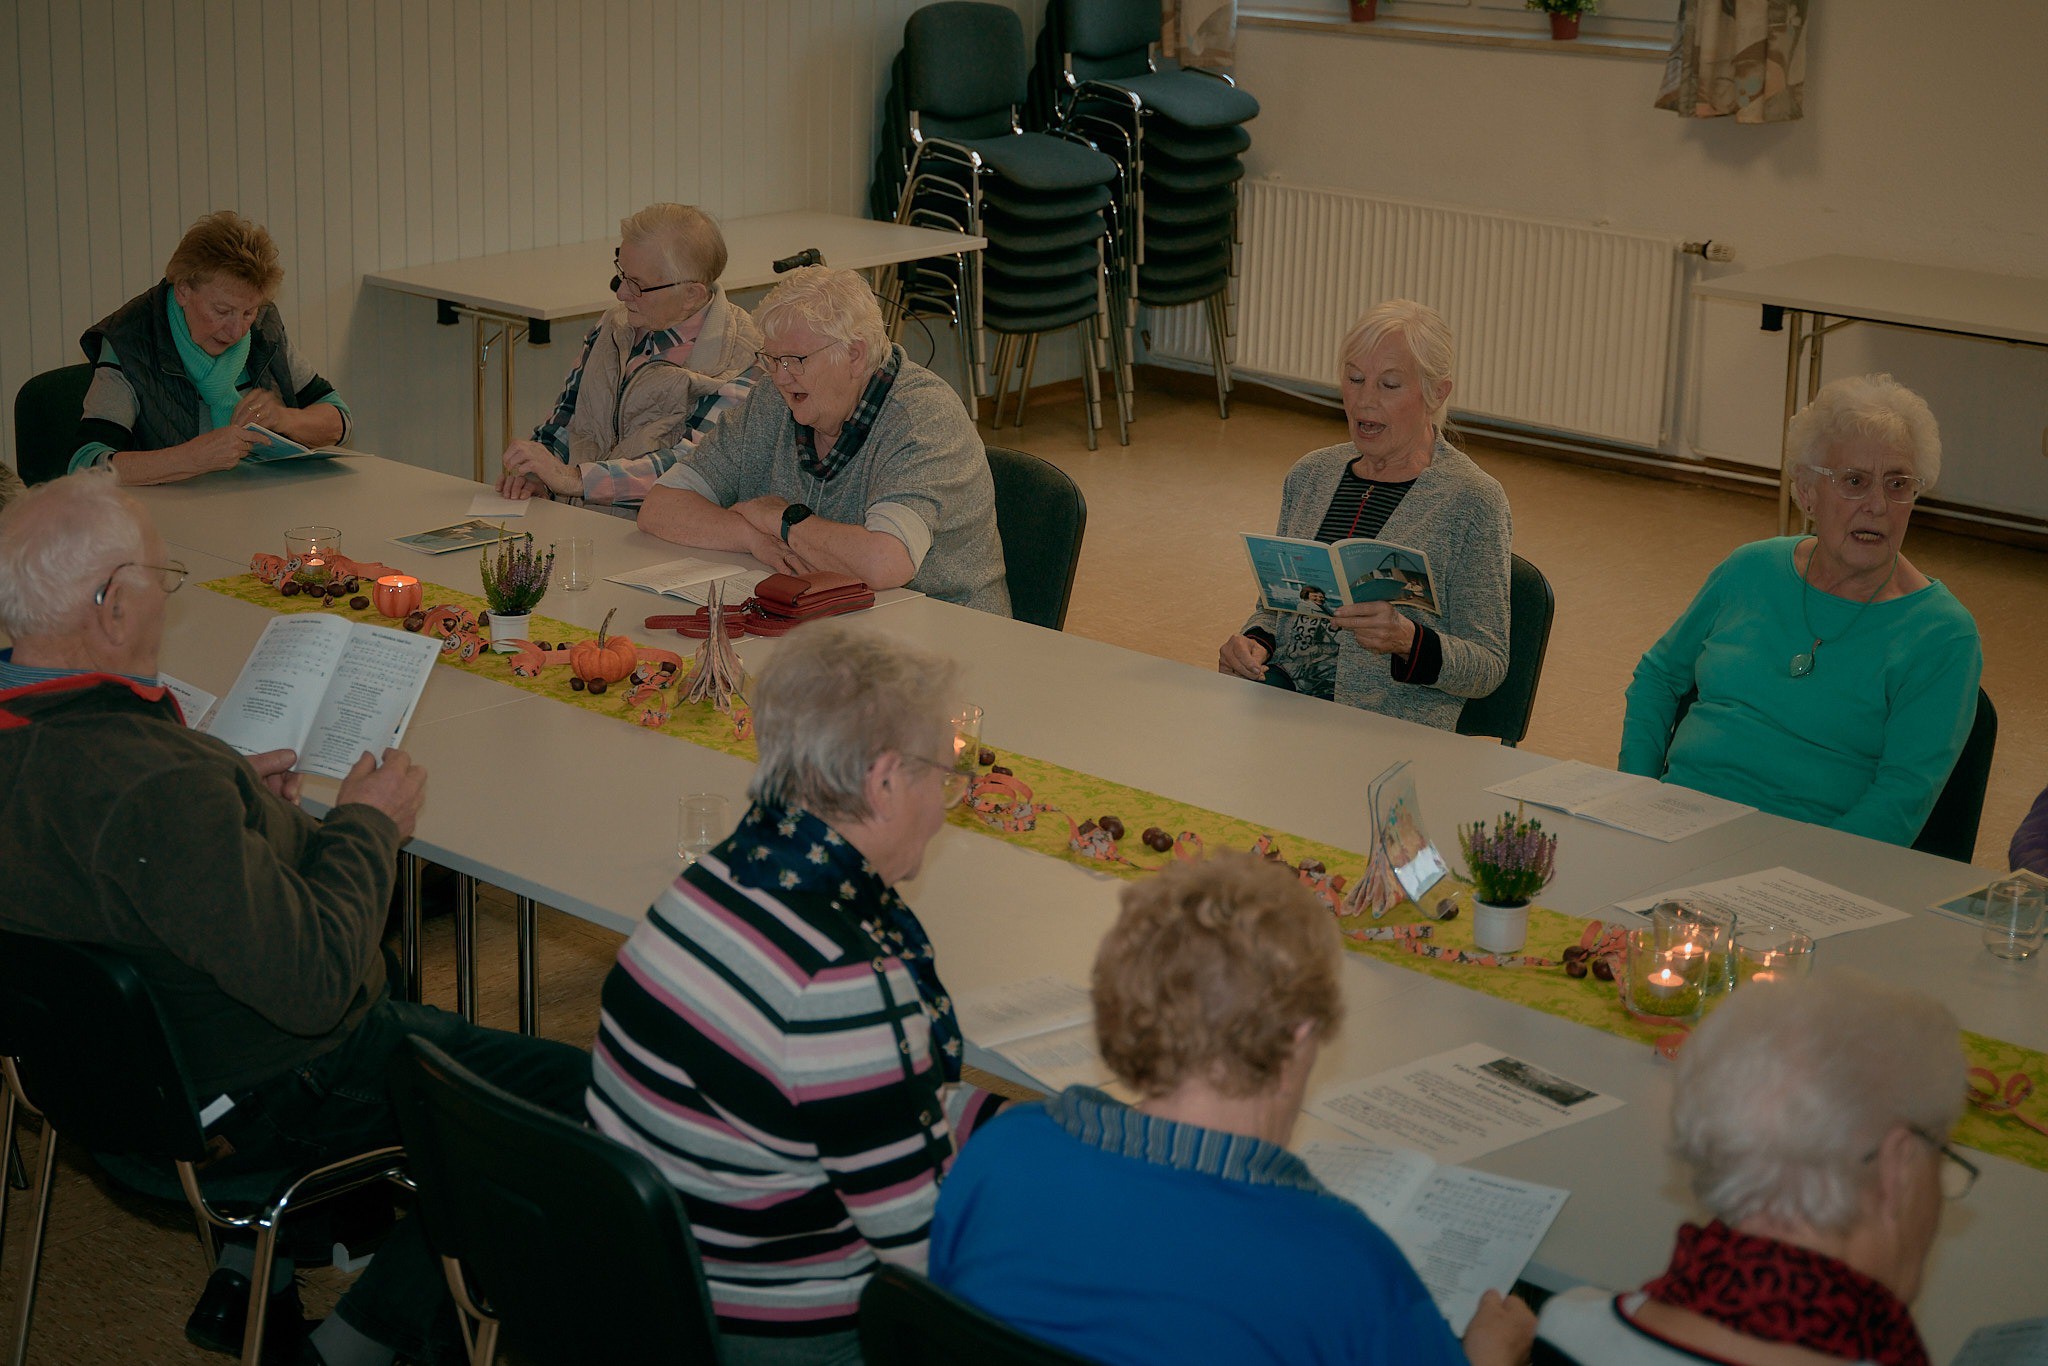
(1511, 863)
(516, 575)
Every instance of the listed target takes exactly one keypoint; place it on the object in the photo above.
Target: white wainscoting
(370, 134)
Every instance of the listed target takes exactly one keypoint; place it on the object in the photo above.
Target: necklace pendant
(1802, 664)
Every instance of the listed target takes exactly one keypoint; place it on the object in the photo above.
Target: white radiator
(1558, 325)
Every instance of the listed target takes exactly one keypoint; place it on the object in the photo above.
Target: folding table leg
(465, 947)
(409, 910)
(529, 962)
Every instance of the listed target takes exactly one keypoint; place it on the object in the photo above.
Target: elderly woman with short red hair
(1181, 1228)
(183, 368)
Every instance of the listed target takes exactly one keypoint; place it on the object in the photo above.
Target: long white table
(511, 296)
(576, 810)
(1823, 294)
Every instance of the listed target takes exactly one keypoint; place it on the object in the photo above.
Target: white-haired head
(1874, 406)
(1784, 1094)
(58, 543)
(835, 304)
(686, 238)
(835, 698)
(1428, 338)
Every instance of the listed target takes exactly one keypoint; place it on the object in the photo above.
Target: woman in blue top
(1180, 1229)
(181, 369)
(1833, 682)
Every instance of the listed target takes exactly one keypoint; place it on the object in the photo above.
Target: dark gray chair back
(46, 413)
(1041, 518)
(1951, 828)
(964, 63)
(1104, 29)
(905, 1320)
(1504, 712)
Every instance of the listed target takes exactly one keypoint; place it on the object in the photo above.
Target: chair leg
(1216, 356)
(259, 1304)
(1091, 381)
(485, 1352)
(409, 912)
(465, 947)
(529, 966)
(1024, 386)
(46, 1181)
(960, 333)
(1001, 377)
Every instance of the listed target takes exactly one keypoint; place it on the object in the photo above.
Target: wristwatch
(791, 515)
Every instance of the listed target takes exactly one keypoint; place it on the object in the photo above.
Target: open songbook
(270, 446)
(328, 688)
(1626, 801)
(1044, 1026)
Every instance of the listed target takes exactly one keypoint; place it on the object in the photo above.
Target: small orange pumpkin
(609, 658)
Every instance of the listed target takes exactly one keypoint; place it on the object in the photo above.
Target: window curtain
(1199, 32)
(1745, 58)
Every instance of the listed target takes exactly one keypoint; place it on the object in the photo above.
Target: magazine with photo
(1315, 577)
(273, 447)
(469, 535)
(1969, 906)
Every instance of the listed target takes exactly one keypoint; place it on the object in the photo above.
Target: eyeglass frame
(638, 290)
(794, 365)
(954, 782)
(1949, 1156)
(1914, 483)
(99, 599)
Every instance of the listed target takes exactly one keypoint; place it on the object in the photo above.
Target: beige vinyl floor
(1624, 554)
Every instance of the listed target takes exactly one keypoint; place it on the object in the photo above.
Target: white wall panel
(373, 134)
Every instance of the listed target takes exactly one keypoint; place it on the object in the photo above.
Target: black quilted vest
(168, 408)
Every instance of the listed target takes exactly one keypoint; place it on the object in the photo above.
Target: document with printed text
(329, 688)
(1626, 801)
(196, 703)
(1463, 1231)
(1460, 1104)
(676, 579)
(1045, 1026)
(1780, 894)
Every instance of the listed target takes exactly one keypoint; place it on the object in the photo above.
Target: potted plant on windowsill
(1364, 11)
(515, 578)
(1564, 15)
(1508, 865)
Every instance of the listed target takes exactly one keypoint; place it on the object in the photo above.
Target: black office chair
(1951, 828)
(84, 1045)
(1041, 517)
(1504, 712)
(569, 1244)
(46, 413)
(905, 1320)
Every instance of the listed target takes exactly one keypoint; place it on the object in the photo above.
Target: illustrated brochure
(273, 447)
(468, 535)
(1318, 577)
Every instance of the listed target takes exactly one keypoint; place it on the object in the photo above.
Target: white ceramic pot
(1499, 929)
(506, 628)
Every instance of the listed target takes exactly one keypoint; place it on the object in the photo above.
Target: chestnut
(597, 685)
(1157, 839)
(1113, 825)
(1575, 967)
(289, 588)
(1603, 970)
(1085, 828)
(483, 619)
(998, 768)
(350, 584)
(359, 602)
(415, 621)
(575, 685)
(986, 757)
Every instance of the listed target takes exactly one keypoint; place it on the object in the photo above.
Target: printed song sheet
(1043, 1025)
(672, 577)
(328, 688)
(1783, 895)
(1463, 1231)
(1626, 801)
(195, 703)
(1457, 1105)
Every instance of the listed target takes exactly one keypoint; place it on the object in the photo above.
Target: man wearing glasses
(852, 460)
(661, 366)
(258, 928)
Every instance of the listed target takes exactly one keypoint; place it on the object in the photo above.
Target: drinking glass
(702, 820)
(576, 563)
(1766, 951)
(2014, 911)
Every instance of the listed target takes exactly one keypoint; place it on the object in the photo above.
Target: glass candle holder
(1708, 928)
(313, 547)
(1768, 952)
(966, 721)
(1664, 981)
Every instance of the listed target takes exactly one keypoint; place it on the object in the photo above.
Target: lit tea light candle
(396, 595)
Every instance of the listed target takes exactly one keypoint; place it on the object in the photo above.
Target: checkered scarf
(854, 434)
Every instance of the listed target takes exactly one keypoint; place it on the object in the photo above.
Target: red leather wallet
(796, 598)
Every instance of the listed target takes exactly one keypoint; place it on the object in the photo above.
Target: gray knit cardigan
(1455, 513)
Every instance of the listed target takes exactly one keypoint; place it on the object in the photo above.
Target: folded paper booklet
(1626, 801)
(270, 447)
(1317, 577)
(329, 688)
(469, 535)
(1465, 1232)
(1044, 1026)
(690, 579)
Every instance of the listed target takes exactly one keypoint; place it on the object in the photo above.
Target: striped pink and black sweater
(766, 1042)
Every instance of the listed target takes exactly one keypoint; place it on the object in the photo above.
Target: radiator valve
(1711, 250)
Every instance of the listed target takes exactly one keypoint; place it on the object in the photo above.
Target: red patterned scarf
(1780, 1293)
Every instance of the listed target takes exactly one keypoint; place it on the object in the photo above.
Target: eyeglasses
(1958, 1173)
(623, 283)
(793, 364)
(171, 576)
(953, 782)
(1855, 485)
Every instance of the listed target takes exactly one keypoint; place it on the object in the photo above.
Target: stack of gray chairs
(1178, 137)
(1041, 200)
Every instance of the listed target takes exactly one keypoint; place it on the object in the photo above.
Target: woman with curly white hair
(1829, 679)
(1815, 1115)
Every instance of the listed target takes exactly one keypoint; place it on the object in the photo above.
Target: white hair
(835, 304)
(689, 241)
(58, 543)
(1428, 338)
(836, 697)
(1874, 406)
(1786, 1091)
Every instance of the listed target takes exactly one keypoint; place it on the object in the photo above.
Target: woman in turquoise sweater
(1833, 682)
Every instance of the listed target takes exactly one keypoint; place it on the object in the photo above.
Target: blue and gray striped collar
(1103, 1123)
(14, 675)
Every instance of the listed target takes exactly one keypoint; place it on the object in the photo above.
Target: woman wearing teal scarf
(183, 368)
